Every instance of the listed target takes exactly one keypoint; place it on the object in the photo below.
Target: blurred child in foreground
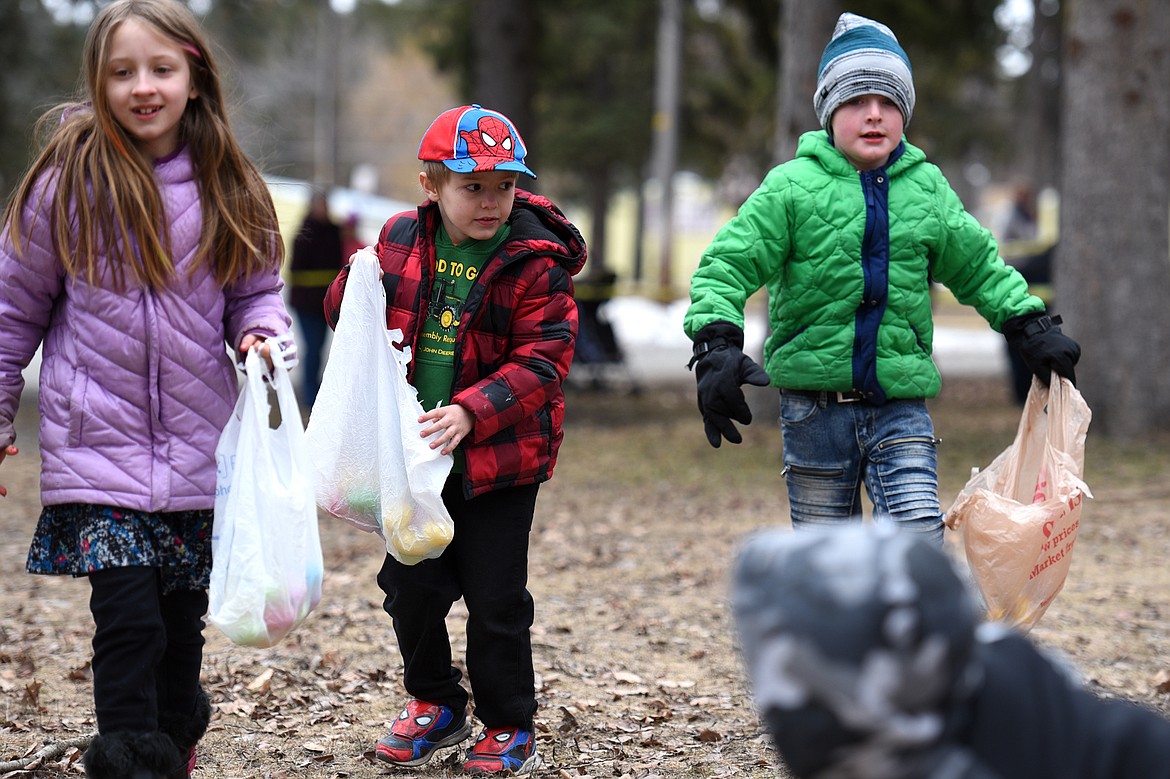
(867, 661)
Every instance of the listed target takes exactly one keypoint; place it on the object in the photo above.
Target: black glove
(721, 368)
(1043, 347)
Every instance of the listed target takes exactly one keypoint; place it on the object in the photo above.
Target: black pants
(147, 649)
(487, 565)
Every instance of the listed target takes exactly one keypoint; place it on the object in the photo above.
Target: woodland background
(642, 102)
(621, 98)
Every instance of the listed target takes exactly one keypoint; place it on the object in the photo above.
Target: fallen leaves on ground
(637, 673)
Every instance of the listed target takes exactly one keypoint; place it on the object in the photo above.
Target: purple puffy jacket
(135, 386)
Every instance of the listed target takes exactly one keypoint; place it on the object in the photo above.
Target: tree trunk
(598, 187)
(502, 64)
(1043, 91)
(326, 165)
(805, 29)
(664, 144)
(1112, 270)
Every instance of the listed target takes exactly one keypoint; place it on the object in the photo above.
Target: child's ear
(428, 187)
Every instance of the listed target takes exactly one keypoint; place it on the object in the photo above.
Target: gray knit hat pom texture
(862, 58)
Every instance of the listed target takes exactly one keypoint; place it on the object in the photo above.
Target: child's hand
(721, 370)
(7, 451)
(1042, 345)
(455, 423)
(288, 348)
(366, 255)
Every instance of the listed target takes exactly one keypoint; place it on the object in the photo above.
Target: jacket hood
(818, 146)
(541, 224)
(538, 225)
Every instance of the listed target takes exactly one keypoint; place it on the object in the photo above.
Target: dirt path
(636, 667)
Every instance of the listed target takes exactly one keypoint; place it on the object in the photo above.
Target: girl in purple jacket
(138, 243)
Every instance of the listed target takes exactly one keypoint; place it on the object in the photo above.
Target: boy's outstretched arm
(721, 369)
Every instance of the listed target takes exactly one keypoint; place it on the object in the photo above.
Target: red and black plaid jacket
(515, 338)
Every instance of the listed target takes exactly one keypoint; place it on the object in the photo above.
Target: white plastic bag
(1019, 516)
(372, 467)
(266, 552)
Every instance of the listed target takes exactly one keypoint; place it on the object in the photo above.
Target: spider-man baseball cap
(473, 138)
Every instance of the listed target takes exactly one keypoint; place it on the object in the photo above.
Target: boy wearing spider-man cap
(479, 281)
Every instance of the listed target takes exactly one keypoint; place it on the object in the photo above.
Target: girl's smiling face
(867, 129)
(148, 83)
(473, 205)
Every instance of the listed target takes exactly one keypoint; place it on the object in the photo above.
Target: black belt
(852, 396)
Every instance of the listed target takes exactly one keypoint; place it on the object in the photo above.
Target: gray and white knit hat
(862, 58)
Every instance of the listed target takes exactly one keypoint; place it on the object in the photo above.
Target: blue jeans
(831, 448)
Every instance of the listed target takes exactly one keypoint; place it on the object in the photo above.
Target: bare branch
(48, 752)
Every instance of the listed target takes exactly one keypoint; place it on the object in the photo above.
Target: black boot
(186, 732)
(130, 756)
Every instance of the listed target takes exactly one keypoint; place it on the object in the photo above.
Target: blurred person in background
(317, 257)
(350, 241)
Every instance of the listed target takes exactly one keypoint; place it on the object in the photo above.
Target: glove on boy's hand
(721, 368)
(1043, 347)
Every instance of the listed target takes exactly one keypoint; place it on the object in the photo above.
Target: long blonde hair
(84, 148)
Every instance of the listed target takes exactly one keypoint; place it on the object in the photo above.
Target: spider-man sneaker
(503, 751)
(420, 729)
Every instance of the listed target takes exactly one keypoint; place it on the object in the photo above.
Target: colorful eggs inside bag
(267, 565)
(373, 468)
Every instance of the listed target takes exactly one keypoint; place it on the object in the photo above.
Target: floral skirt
(79, 538)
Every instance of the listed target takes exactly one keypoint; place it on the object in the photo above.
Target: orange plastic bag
(1019, 516)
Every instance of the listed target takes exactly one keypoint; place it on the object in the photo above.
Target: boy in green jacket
(846, 238)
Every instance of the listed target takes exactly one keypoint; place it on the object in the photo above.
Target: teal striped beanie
(862, 58)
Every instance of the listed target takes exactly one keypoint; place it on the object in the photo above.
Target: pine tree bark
(1112, 267)
(502, 64)
(805, 28)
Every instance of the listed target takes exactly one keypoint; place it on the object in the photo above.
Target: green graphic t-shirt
(456, 268)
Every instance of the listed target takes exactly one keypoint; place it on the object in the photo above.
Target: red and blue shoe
(503, 751)
(420, 729)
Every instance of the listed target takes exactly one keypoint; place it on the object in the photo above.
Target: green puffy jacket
(847, 258)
